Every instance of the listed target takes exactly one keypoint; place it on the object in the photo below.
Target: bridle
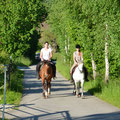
(80, 70)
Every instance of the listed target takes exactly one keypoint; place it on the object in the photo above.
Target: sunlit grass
(109, 93)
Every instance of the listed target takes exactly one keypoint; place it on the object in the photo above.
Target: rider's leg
(54, 69)
(71, 73)
(86, 73)
(40, 65)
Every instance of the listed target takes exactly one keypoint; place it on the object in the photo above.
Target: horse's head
(80, 66)
(45, 62)
(47, 67)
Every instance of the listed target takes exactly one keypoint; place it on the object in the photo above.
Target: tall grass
(108, 92)
(111, 93)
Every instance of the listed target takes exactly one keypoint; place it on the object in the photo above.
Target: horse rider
(46, 54)
(77, 57)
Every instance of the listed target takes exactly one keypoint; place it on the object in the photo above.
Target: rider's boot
(71, 78)
(86, 74)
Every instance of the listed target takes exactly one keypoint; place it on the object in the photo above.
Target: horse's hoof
(82, 97)
(78, 95)
(46, 96)
(74, 92)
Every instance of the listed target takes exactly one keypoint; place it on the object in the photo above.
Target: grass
(14, 93)
(63, 68)
(109, 93)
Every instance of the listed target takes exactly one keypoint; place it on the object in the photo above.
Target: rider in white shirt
(46, 54)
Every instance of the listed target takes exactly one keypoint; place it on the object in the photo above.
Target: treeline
(95, 25)
(19, 34)
(18, 22)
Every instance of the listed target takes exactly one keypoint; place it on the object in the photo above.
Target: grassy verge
(63, 68)
(14, 93)
(109, 93)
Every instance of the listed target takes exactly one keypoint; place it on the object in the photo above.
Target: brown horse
(46, 74)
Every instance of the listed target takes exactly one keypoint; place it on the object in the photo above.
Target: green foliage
(62, 67)
(47, 35)
(4, 58)
(85, 22)
(18, 21)
(16, 81)
(23, 61)
(33, 45)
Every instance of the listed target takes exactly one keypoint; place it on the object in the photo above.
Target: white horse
(78, 77)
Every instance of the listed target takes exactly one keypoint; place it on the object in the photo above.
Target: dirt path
(61, 105)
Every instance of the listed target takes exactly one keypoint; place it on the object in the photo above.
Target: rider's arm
(81, 56)
(51, 55)
(74, 58)
(41, 55)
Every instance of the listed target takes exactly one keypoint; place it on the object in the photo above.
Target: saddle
(49, 63)
(71, 74)
(85, 71)
(73, 70)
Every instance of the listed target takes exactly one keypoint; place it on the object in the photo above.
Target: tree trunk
(68, 44)
(106, 58)
(65, 50)
(93, 66)
(66, 47)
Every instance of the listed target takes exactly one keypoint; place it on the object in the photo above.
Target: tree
(18, 22)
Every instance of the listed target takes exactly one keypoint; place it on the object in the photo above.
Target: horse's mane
(46, 62)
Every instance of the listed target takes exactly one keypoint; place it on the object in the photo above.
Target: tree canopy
(18, 22)
(84, 22)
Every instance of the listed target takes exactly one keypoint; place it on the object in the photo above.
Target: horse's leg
(48, 87)
(44, 88)
(76, 86)
(82, 82)
(79, 89)
(74, 91)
